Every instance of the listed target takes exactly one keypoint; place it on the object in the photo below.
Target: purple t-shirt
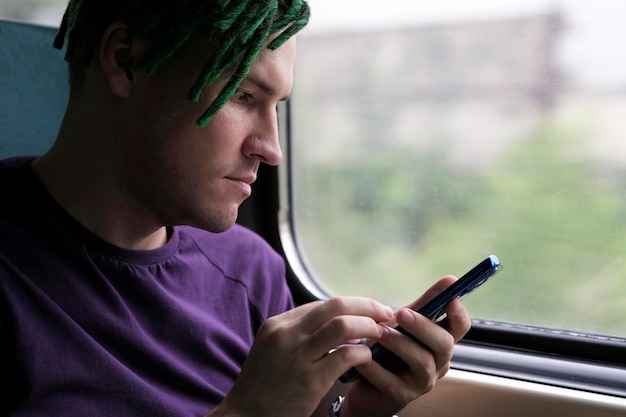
(90, 329)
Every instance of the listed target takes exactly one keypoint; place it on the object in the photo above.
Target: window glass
(44, 12)
(429, 135)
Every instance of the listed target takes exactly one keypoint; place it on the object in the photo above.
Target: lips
(246, 179)
(243, 182)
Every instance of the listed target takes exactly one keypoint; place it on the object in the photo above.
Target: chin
(217, 222)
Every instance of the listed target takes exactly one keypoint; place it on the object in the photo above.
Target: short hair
(243, 28)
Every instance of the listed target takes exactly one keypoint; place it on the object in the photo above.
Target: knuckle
(375, 305)
(341, 325)
(273, 333)
(430, 383)
(428, 364)
(448, 346)
(353, 355)
(444, 370)
(426, 383)
(337, 304)
(269, 325)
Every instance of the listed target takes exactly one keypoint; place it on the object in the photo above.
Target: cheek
(185, 153)
(196, 158)
(162, 103)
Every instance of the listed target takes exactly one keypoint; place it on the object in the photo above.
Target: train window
(45, 12)
(428, 135)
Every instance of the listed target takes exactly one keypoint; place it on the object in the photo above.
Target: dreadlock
(243, 27)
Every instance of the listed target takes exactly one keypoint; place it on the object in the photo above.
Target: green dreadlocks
(244, 27)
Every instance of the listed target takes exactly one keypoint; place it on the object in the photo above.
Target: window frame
(576, 360)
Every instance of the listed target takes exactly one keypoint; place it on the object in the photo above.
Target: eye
(243, 97)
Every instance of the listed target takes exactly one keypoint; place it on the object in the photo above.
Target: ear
(117, 56)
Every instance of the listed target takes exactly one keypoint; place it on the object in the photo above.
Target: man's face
(180, 173)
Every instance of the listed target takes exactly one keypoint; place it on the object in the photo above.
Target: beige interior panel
(466, 394)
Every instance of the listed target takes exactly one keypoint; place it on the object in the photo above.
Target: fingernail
(406, 316)
(389, 312)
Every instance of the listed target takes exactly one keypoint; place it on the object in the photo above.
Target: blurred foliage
(386, 226)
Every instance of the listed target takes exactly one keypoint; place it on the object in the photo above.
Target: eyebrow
(263, 86)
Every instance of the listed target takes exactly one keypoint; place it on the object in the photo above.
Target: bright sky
(331, 14)
(334, 13)
(595, 29)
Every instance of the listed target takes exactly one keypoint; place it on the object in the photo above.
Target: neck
(83, 175)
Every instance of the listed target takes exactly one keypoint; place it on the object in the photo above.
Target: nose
(264, 142)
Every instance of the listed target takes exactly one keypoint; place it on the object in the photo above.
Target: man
(126, 289)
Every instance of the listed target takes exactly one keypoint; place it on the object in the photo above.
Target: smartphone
(435, 310)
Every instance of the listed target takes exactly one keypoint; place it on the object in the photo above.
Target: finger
(417, 379)
(437, 340)
(296, 313)
(282, 331)
(344, 357)
(458, 321)
(340, 306)
(338, 330)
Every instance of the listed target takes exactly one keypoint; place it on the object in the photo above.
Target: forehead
(273, 68)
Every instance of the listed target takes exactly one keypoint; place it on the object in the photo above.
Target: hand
(382, 393)
(297, 357)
